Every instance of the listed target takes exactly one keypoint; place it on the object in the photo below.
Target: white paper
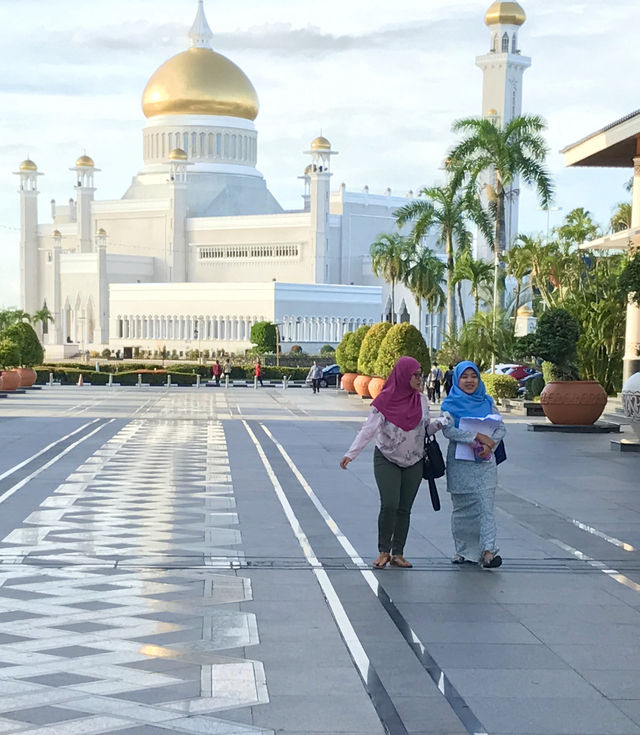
(484, 425)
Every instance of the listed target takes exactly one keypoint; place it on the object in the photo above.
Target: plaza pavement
(194, 561)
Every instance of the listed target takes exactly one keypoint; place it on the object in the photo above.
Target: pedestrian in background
(226, 369)
(315, 375)
(257, 371)
(216, 371)
(448, 379)
(398, 419)
(472, 482)
(434, 380)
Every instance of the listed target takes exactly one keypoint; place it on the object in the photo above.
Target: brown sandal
(383, 559)
(397, 560)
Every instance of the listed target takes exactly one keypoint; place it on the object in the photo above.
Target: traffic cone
(80, 382)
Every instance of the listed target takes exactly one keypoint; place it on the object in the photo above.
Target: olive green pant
(398, 487)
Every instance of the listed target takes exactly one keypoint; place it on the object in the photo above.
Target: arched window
(210, 145)
(203, 149)
(185, 142)
(164, 152)
(218, 144)
(226, 145)
(514, 45)
(194, 144)
(233, 146)
(494, 42)
(505, 43)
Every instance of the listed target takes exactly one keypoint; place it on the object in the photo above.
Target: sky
(383, 81)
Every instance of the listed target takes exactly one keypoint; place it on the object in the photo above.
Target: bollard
(50, 379)
(139, 378)
(198, 380)
(255, 382)
(80, 380)
(168, 381)
(110, 380)
(226, 381)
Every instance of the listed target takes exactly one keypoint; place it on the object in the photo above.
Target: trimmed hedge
(500, 386)
(370, 347)
(402, 339)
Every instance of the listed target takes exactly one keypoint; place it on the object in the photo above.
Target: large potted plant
(565, 398)
(361, 382)
(9, 358)
(369, 354)
(402, 339)
(346, 363)
(31, 353)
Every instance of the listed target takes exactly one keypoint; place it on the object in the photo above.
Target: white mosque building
(198, 249)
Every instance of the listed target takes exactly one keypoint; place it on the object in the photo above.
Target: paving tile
(44, 715)
(614, 684)
(495, 656)
(60, 680)
(525, 683)
(74, 651)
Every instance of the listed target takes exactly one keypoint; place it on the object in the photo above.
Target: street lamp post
(548, 210)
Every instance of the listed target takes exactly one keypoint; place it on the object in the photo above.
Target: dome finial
(200, 33)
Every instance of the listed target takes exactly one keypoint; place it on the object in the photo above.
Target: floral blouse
(403, 448)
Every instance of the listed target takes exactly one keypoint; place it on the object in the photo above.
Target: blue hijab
(460, 404)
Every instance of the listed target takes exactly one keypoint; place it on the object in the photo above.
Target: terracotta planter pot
(9, 380)
(361, 385)
(28, 377)
(631, 401)
(375, 386)
(347, 382)
(573, 402)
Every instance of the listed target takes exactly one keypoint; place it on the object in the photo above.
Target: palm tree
(478, 272)
(621, 218)
(448, 208)
(390, 253)
(578, 227)
(424, 278)
(514, 150)
(519, 262)
(12, 316)
(44, 316)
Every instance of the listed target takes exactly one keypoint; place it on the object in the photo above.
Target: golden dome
(200, 82)
(177, 154)
(525, 310)
(56, 233)
(506, 13)
(28, 165)
(320, 143)
(102, 232)
(85, 162)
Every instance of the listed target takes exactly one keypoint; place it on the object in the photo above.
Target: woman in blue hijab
(472, 482)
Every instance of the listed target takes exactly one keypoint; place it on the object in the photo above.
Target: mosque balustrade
(203, 144)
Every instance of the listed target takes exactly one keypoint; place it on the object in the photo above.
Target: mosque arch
(505, 43)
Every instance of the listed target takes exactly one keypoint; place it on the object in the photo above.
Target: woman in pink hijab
(398, 418)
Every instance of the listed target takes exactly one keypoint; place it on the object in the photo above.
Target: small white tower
(84, 170)
(502, 71)
(29, 257)
(178, 263)
(319, 175)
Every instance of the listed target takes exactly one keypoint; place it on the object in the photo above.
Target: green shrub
(353, 346)
(370, 348)
(9, 353)
(400, 340)
(24, 336)
(500, 386)
(342, 356)
(263, 336)
(534, 387)
(327, 350)
(556, 340)
(629, 279)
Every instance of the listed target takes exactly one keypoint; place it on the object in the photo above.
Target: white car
(503, 368)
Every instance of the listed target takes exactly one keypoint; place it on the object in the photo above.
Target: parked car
(523, 383)
(519, 372)
(330, 376)
(502, 368)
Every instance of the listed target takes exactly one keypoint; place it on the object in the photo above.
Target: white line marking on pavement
(16, 467)
(609, 539)
(8, 493)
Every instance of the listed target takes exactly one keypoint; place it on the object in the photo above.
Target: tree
(389, 256)
(477, 272)
(344, 363)
(370, 348)
(487, 336)
(424, 278)
(12, 316)
(629, 278)
(578, 227)
(519, 262)
(402, 339)
(556, 341)
(24, 336)
(448, 208)
(263, 336)
(352, 348)
(621, 218)
(507, 152)
(44, 316)
(9, 353)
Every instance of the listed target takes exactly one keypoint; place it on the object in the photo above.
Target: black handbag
(500, 453)
(433, 465)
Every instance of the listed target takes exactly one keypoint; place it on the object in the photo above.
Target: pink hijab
(398, 402)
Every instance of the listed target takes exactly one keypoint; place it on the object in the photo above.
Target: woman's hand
(486, 440)
(485, 452)
(344, 462)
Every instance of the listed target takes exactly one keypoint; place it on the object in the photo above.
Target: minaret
(29, 259)
(176, 232)
(102, 326)
(84, 170)
(502, 69)
(319, 176)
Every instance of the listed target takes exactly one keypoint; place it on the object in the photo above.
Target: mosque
(198, 249)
